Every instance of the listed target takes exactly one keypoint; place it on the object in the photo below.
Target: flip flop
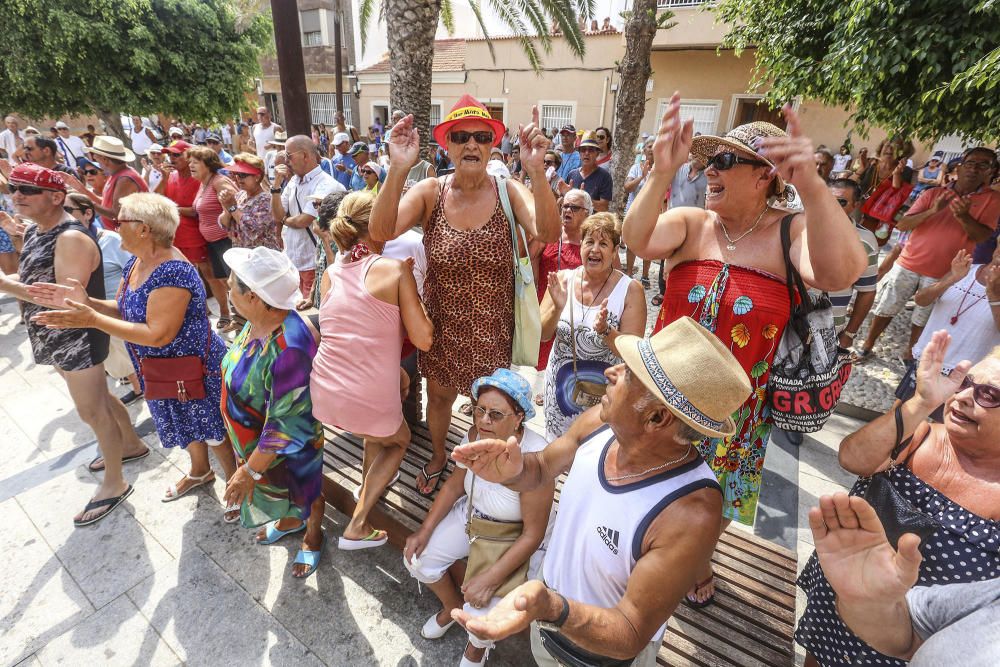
(125, 459)
(369, 542)
(110, 503)
(228, 509)
(310, 558)
(356, 494)
(272, 534)
(173, 495)
(861, 357)
(436, 477)
(701, 605)
(657, 300)
(466, 409)
(223, 323)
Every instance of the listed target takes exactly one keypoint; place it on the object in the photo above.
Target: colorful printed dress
(747, 309)
(265, 403)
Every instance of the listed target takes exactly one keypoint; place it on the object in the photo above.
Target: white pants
(647, 658)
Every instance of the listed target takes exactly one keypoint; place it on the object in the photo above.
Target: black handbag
(568, 654)
(808, 371)
(897, 514)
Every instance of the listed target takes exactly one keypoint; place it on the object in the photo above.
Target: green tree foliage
(925, 69)
(187, 58)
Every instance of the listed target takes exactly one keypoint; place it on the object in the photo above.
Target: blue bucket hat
(83, 163)
(510, 383)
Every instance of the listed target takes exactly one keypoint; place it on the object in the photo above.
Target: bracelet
(232, 209)
(994, 303)
(275, 191)
(847, 333)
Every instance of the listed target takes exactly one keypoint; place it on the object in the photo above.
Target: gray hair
(685, 432)
(588, 202)
(156, 211)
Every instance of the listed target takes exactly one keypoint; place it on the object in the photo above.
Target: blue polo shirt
(598, 184)
(344, 177)
(570, 161)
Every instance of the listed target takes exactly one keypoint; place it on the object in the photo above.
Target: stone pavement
(159, 583)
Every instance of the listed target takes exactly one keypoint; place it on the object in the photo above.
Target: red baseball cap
(29, 173)
(177, 147)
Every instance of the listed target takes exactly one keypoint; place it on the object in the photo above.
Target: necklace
(654, 468)
(961, 311)
(586, 309)
(732, 242)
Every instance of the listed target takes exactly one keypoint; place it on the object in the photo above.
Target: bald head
(303, 155)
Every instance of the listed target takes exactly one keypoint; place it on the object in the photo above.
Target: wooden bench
(749, 625)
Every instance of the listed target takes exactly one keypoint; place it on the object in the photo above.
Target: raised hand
(960, 265)
(991, 278)
(74, 183)
(404, 144)
(533, 143)
(601, 325)
(855, 555)
(673, 139)
(792, 155)
(77, 316)
(513, 613)
(557, 290)
(493, 460)
(14, 226)
(54, 295)
(933, 388)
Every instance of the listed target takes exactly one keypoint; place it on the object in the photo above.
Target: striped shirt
(865, 283)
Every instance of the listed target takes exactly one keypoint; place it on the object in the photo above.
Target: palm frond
(448, 17)
(477, 11)
(567, 14)
(365, 10)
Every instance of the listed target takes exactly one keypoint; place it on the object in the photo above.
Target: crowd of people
(348, 273)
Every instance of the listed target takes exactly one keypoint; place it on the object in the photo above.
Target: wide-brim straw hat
(690, 370)
(111, 147)
(468, 108)
(742, 140)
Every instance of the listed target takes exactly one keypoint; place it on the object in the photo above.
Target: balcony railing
(673, 4)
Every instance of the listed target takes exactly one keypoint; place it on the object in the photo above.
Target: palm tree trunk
(410, 26)
(630, 105)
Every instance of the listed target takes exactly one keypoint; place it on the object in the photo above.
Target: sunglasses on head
(726, 161)
(27, 190)
(462, 137)
(985, 395)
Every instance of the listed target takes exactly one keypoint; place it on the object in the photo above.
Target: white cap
(268, 273)
(154, 148)
(176, 131)
(376, 167)
(62, 126)
(340, 138)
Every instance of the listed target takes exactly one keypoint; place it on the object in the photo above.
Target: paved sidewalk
(165, 584)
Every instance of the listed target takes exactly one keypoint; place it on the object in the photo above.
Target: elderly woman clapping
(267, 408)
(161, 315)
(502, 404)
(948, 471)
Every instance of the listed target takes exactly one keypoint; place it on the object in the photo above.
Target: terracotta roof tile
(449, 56)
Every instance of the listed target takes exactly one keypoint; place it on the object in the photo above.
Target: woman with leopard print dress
(469, 288)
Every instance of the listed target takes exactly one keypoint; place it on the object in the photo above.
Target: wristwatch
(556, 625)
(232, 209)
(254, 475)
(275, 191)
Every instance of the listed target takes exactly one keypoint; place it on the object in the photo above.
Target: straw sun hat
(743, 140)
(689, 369)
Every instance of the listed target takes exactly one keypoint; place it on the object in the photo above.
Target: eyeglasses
(461, 137)
(549, 162)
(91, 172)
(843, 202)
(985, 395)
(27, 190)
(573, 207)
(367, 172)
(121, 221)
(726, 161)
(240, 175)
(70, 209)
(977, 165)
(494, 415)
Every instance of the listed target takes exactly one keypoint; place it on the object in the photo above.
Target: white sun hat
(268, 273)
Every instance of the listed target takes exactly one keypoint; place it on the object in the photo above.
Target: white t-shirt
(974, 334)
(841, 162)
(410, 244)
(71, 147)
(152, 177)
(227, 136)
(299, 244)
(496, 500)
(8, 143)
(261, 136)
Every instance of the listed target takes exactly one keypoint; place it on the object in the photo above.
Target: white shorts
(896, 288)
(118, 364)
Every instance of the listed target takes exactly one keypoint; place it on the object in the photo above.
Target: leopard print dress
(469, 294)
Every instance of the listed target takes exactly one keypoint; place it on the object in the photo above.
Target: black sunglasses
(462, 137)
(367, 172)
(91, 172)
(843, 202)
(986, 395)
(573, 207)
(27, 190)
(70, 209)
(726, 161)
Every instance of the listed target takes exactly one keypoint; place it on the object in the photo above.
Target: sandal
(376, 539)
(231, 508)
(172, 493)
(110, 503)
(539, 399)
(691, 602)
(657, 300)
(272, 533)
(310, 558)
(224, 323)
(862, 356)
(466, 409)
(436, 477)
(125, 459)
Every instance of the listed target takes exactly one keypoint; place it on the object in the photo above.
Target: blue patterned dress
(179, 424)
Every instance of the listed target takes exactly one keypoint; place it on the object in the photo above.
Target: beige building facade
(714, 85)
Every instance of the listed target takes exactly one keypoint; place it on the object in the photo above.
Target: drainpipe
(604, 99)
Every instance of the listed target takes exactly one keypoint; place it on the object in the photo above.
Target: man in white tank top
(639, 511)
(141, 136)
(263, 131)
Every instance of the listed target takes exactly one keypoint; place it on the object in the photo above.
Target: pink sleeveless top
(209, 209)
(355, 375)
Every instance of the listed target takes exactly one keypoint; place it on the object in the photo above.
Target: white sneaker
(465, 662)
(432, 630)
